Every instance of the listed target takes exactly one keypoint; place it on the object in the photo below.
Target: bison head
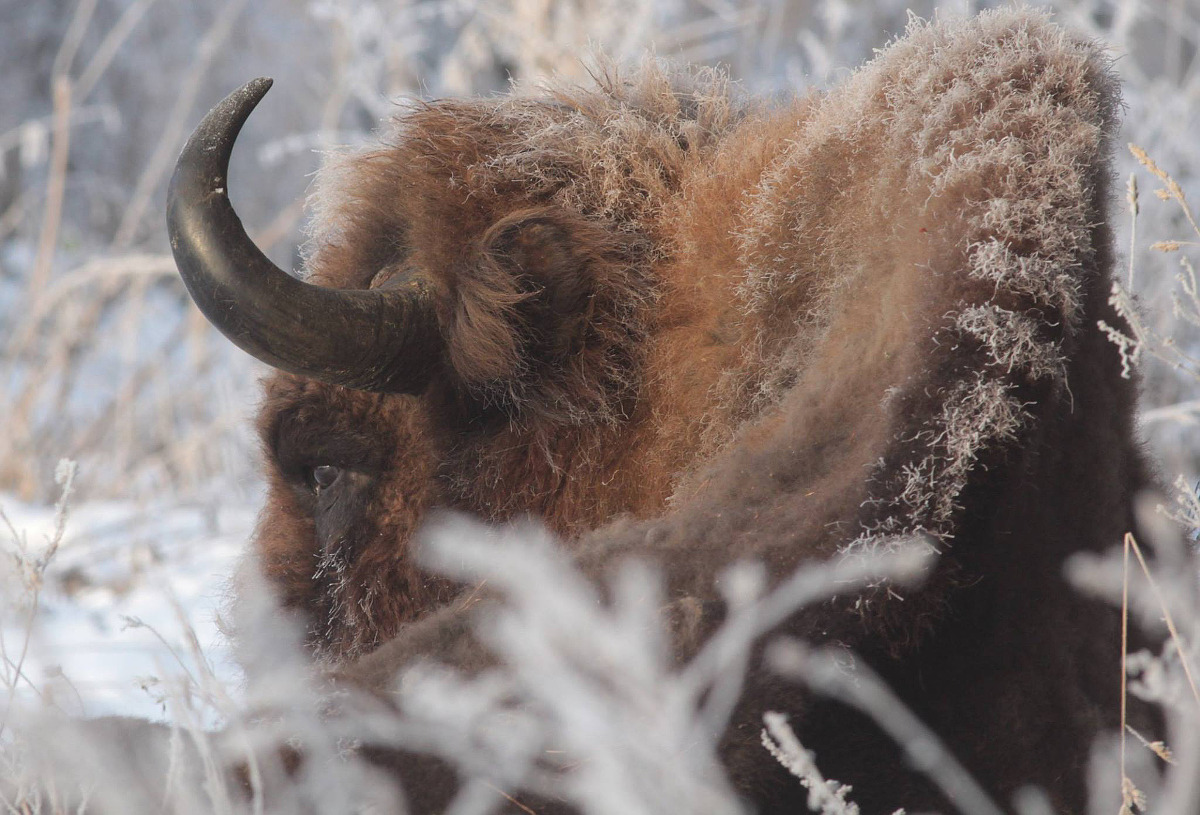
(472, 335)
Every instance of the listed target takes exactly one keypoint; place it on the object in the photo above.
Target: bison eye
(323, 476)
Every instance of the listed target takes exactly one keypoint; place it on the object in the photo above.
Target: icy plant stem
(168, 145)
(1125, 639)
(52, 214)
(1132, 198)
(27, 630)
(824, 796)
(1172, 186)
(865, 691)
(65, 476)
(1132, 543)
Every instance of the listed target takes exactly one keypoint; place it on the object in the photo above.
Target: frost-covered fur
(700, 328)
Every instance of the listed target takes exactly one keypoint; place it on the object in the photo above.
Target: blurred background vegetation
(103, 359)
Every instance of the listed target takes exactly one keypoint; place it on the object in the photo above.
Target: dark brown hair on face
(338, 552)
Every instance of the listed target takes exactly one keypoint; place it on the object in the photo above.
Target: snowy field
(127, 589)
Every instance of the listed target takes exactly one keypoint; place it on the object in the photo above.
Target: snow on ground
(167, 565)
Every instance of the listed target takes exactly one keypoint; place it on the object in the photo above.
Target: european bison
(673, 321)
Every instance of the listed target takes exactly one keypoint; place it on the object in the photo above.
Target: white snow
(164, 565)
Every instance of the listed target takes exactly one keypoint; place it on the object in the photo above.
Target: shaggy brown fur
(691, 326)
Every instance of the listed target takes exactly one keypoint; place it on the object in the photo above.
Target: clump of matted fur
(1029, 166)
(1013, 129)
(621, 150)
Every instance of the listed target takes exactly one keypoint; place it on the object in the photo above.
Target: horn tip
(253, 91)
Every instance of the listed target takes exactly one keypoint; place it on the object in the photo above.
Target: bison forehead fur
(679, 322)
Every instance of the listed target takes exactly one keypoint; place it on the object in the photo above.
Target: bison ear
(525, 306)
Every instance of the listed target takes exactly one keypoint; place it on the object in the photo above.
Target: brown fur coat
(700, 328)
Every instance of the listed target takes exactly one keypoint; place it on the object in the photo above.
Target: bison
(673, 321)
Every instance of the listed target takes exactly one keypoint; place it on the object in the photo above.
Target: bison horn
(384, 340)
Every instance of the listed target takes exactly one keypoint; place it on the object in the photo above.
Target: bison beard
(673, 322)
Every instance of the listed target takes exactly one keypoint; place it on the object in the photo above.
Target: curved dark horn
(384, 340)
